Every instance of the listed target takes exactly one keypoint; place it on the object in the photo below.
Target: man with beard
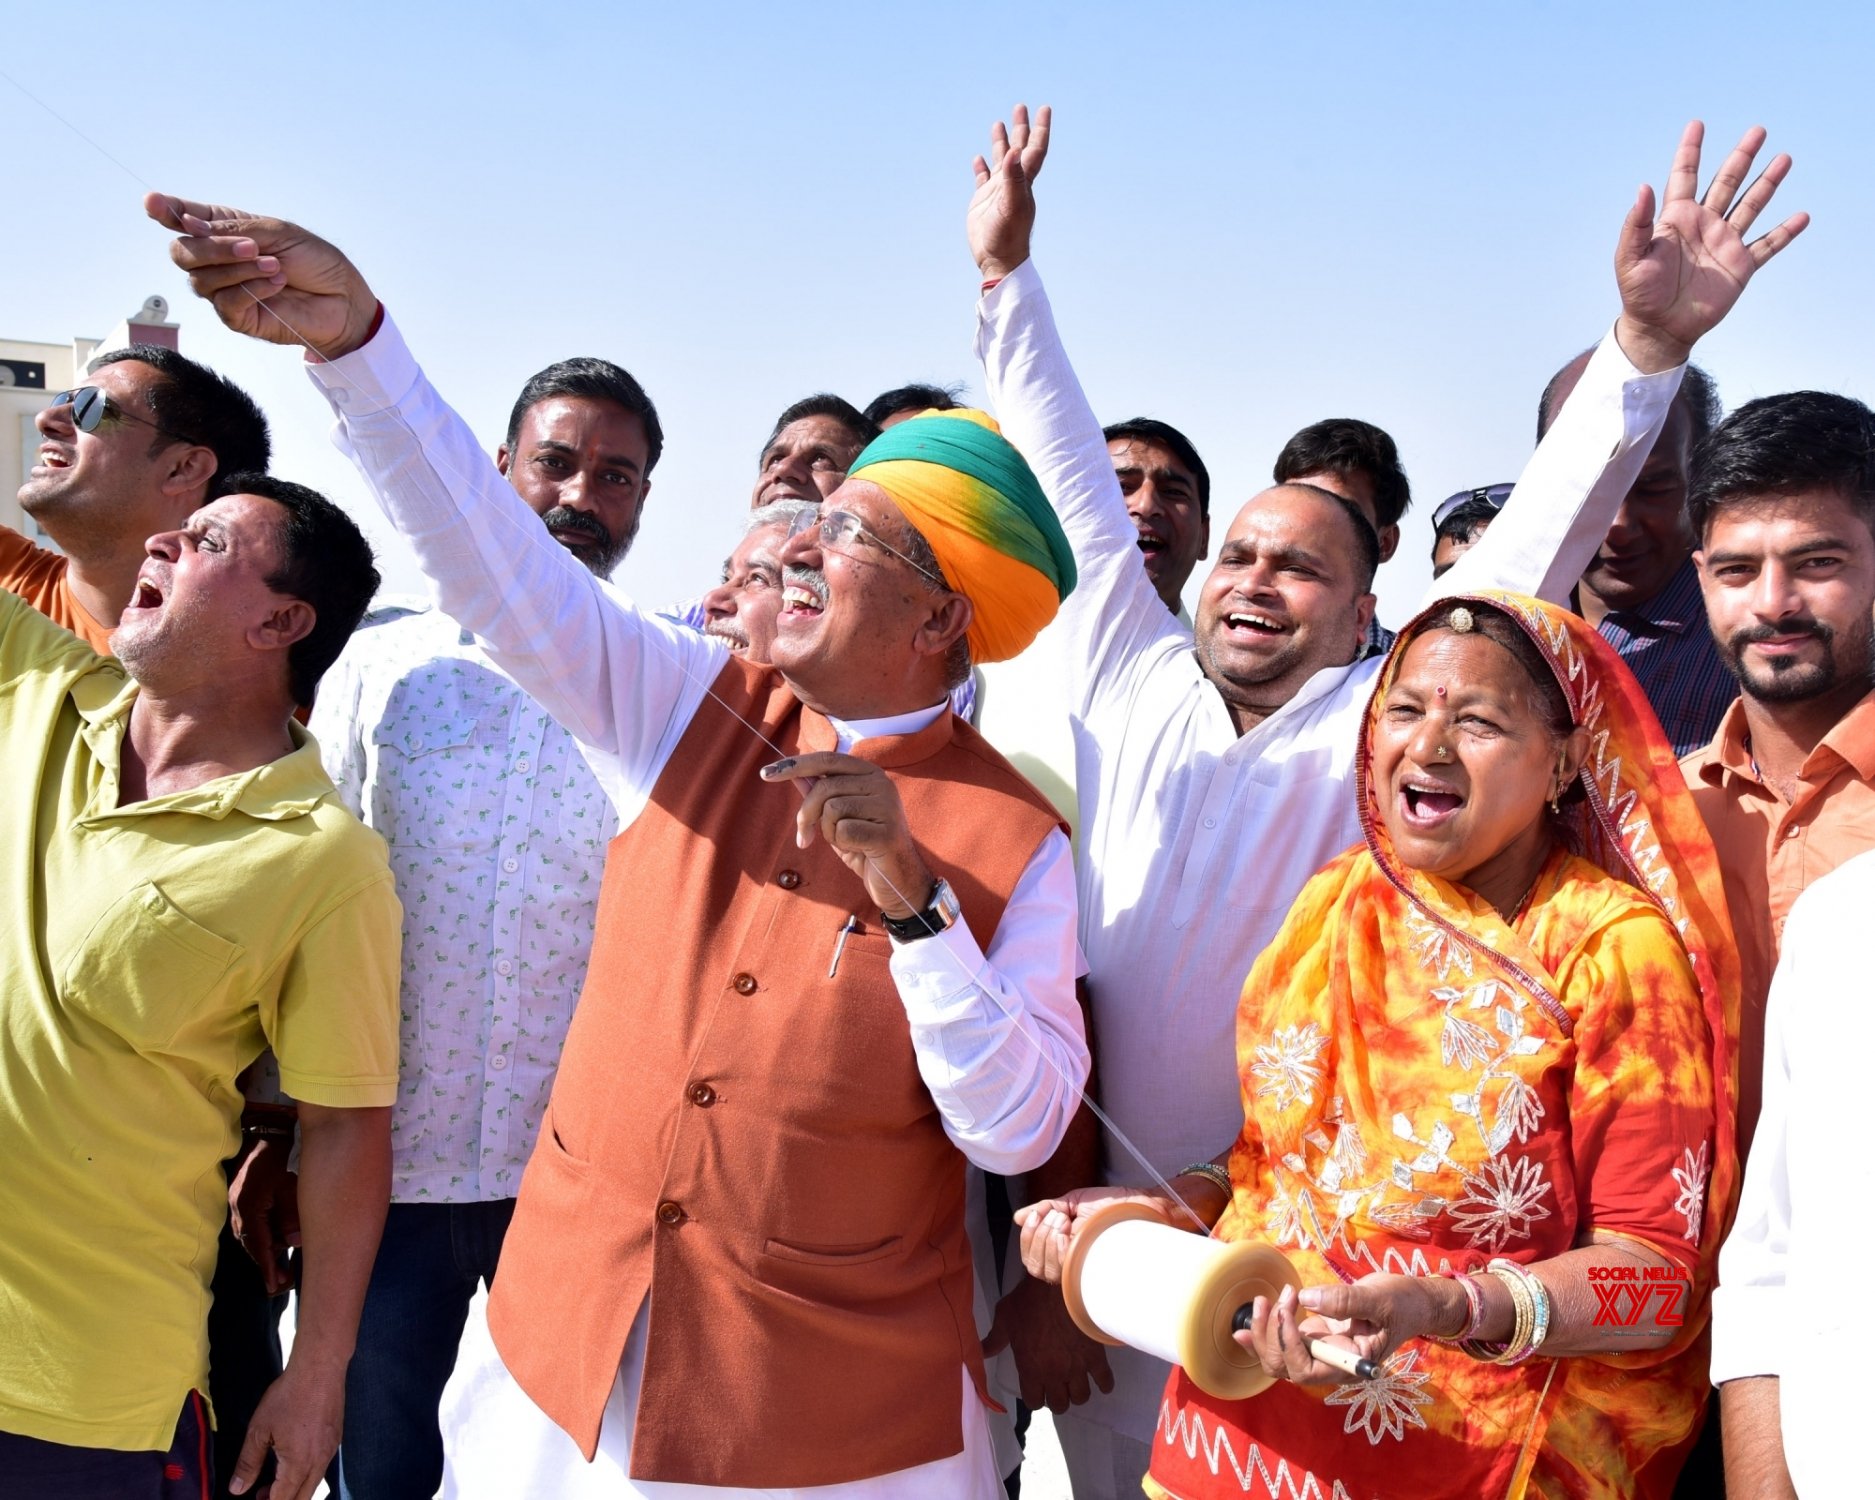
(498, 831)
(1782, 500)
(1217, 767)
(740, 611)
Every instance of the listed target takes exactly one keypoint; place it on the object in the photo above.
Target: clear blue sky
(1255, 216)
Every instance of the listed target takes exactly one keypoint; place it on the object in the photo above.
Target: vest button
(745, 984)
(670, 1213)
(788, 879)
(702, 1095)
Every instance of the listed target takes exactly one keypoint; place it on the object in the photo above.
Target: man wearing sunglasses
(1460, 520)
(128, 454)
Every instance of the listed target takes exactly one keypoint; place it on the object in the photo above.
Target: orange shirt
(1770, 850)
(37, 575)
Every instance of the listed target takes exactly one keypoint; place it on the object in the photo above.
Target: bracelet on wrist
(1474, 1310)
(1212, 1173)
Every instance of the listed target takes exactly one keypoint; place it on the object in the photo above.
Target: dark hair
(1785, 445)
(1464, 522)
(1697, 390)
(324, 561)
(1151, 430)
(593, 380)
(912, 397)
(1496, 625)
(1366, 539)
(859, 427)
(1347, 445)
(193, 403)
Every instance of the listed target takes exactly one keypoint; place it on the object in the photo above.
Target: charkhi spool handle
(1131, 1278)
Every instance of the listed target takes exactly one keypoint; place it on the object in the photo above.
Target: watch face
(946, 905)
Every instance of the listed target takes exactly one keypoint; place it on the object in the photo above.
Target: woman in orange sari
(1488, 1095)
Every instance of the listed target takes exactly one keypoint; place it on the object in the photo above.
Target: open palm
(1001, 215)
(1681, 273)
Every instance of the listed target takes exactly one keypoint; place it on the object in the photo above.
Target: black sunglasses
(92, 409)
(1493, 495)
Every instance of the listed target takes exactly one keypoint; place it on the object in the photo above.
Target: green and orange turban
(976, 501)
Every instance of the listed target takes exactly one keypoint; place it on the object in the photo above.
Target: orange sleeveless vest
(745, 1140)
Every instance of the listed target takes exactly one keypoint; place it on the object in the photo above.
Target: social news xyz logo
(1639, 1297)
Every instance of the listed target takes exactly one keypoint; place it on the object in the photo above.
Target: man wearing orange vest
(834, 958)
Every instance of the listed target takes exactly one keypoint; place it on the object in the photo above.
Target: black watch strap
(934, 919)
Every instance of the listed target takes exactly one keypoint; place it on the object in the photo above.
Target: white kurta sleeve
(998, 1036)
(1108, 626)
(1569, 492)
(624, 683)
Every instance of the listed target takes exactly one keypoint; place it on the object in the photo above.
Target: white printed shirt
(498, 831)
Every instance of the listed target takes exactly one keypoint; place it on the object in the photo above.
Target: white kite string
(970, 978)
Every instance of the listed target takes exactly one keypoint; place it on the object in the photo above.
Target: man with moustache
(1641, 590)
(1782, 500)
(821, 983)
(740, 611)
(1216, 768)
(498, 830)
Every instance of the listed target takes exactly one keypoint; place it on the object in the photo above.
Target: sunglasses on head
(1493, 495)
(92, 409)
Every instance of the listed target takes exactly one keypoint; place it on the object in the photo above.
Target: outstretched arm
(1679, 275)
(623, 683)
(1114, 613)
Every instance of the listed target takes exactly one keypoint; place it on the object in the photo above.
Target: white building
(31, 374)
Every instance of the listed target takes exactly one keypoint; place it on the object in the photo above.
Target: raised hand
(1002, 211)
(267, 278)
(1681, 273)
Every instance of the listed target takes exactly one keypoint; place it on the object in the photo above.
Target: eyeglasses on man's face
(92, 410)
(840, 529)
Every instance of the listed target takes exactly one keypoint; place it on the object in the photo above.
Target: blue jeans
(429, 1263)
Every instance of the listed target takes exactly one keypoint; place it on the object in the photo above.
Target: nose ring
(1440, 753)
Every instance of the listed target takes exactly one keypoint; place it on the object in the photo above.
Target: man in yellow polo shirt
(180, 887)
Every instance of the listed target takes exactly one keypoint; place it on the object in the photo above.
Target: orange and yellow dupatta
(1427, 1087)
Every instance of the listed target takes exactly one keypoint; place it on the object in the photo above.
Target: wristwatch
(943, 912)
